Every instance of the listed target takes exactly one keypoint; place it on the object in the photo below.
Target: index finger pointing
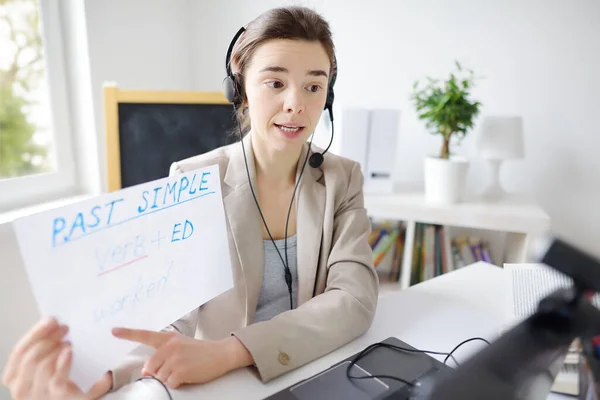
(149, 338)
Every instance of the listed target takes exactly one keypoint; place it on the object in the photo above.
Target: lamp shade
(500, 138)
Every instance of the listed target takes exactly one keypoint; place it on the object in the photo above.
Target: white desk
(434, 315)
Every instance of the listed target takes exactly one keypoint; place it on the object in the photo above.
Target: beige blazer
(337, 283)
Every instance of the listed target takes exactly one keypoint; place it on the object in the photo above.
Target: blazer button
(284, 359)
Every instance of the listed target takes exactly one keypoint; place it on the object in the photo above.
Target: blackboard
(146, 131)
(152, 136)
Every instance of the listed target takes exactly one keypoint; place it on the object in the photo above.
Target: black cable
(363, 353)
(159, 381)
(288, 274)
(460, 344)
(373, 346)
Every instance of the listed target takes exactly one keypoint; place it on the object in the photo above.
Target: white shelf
(517, 217)
(511, 215)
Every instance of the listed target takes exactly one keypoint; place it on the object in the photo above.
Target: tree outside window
(26, 138)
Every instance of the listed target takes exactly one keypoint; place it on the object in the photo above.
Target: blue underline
(132, 218)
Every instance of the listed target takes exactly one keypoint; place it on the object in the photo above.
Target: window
(36, 157)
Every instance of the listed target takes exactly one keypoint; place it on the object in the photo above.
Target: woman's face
(286, 88)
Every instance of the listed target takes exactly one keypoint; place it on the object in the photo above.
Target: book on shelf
(434, 252)
(470, 249)
(527, 285)
(387, 242)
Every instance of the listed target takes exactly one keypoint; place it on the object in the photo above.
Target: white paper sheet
(141, 257)
(528, 283)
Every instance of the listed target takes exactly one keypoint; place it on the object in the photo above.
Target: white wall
(139, 44)
(538, 58)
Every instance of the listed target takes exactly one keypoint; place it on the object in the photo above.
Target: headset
(233, 89)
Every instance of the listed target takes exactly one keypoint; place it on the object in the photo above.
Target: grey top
(274, 295)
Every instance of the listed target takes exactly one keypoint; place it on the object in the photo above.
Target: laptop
(334, 384)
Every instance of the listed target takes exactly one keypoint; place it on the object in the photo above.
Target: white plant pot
(445, 179)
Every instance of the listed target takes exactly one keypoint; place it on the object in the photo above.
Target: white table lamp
(499, 138)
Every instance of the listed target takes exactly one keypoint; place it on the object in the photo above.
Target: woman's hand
(180, 359)
(38, 367)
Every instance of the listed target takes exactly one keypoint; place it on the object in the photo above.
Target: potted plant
(449, 112)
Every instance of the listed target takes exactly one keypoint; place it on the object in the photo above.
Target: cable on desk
(159, 381)
(369, 348)
(363, 353)
(460, 344)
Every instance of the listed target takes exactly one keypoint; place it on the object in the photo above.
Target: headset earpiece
(232, 84)
(330, 97)
(233, 89)
(229, 88)
(330, 93)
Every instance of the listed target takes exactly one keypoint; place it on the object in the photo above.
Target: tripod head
(582, 267)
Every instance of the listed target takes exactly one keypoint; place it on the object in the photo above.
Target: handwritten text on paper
(141, 257)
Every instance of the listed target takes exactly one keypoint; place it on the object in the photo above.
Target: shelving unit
(517, 219)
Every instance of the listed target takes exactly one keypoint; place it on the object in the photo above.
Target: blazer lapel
(245, 223)
(310, 214)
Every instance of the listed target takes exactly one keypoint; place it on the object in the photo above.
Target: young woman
(304, 281)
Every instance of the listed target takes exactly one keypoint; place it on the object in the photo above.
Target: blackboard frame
(113, 96)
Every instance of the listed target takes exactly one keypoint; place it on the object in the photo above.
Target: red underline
(121, 266)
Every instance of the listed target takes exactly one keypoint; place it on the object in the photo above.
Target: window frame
(26, 190)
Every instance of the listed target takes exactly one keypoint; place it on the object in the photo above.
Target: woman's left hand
(180, 359)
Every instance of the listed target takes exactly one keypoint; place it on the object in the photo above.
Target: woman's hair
(293, 22)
